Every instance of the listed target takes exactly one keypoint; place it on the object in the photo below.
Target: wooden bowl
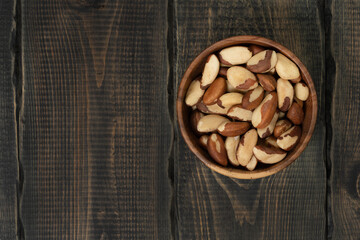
(192, 141)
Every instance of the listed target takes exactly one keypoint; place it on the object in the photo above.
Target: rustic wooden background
(89, 145)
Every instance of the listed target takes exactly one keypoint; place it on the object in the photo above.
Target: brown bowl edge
(311, 102)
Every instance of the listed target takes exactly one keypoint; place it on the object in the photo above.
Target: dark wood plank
(345, 118)
(95, 125)
(8, 138)
(288, 205)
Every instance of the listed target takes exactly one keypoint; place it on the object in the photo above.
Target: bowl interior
(183, 111)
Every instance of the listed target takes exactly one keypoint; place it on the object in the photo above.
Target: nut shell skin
(241, 78)
(262, 62)
(216, 149)
(268, 155)
(281, 127)
(239, 113)
(255, 49)
(215, 91)
(233, 129)
(264, 113)
(295, 114)
(290, 138)
(267, 81)
(269, 129)
(253, 98)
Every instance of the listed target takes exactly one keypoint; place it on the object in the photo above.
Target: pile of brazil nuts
(247, 106)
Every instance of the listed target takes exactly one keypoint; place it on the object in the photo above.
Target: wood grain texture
(95, 126)
(288, 205)
(8, 142)
(345, 118)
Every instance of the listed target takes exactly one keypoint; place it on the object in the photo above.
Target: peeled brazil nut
(264, 113)
(271, 141)
(281, 127)
(295, 114)
(203, 141)
(216, 89)
(223, 71)
(301, 91)
(267, 81)
(234, 55)
(232, 129)
(194, 93)
(216, 149)
(231, 144)
(255, 49)
(245, 148)
(268, 154)
(210, 123)
(269, 129)
(214, 108)
(252, 164)
(210, 72)
(230, 99)
(285, 93)
(253, 98)
(262, 62)
(230, 88)
(194, 119)
(285, 68)
(241, 78)
(290, 138)
(237, 112)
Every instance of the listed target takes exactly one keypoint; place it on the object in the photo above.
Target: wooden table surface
(90, 147)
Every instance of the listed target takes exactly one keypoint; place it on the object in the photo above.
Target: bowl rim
(233, 41)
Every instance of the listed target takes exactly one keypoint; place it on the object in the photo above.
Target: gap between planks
(18, 85)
